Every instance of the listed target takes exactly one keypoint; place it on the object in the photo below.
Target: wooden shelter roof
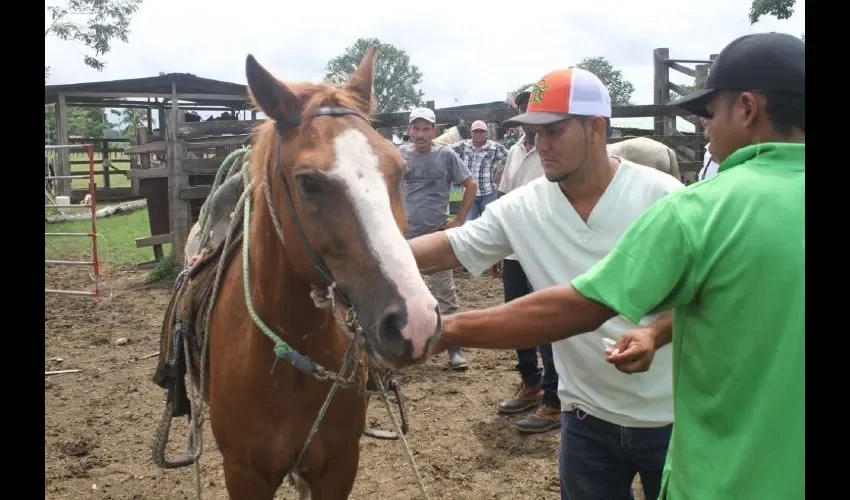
(202, 91)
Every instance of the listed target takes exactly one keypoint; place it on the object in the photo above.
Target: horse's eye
(308, 186)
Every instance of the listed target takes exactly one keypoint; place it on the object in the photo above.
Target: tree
(687, 88)
(130, 120)
(86, 122)
(395, 78)
(619, 88)
(780, 9)
(94, 23)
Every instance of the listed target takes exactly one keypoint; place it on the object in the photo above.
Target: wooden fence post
(180, 217)
(664, 125)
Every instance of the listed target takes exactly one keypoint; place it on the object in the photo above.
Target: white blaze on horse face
(357, 166)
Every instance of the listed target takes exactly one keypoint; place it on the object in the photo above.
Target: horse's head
(332, 173)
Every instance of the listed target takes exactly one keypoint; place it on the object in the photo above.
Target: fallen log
(125, 207)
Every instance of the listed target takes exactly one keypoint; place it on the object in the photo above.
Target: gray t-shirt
(427, 186)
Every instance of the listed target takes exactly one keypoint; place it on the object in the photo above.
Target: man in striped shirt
(485, 159)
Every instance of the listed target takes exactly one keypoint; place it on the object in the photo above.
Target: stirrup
(193, 450)
(384, 434)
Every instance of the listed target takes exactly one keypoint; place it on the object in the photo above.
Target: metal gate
(93, 234)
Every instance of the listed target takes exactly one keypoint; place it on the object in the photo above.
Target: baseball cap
(521, 99)
(478, 125)
(424, 113)
(562, 93)
(768, 62)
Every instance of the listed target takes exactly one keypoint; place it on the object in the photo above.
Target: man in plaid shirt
(486, 160)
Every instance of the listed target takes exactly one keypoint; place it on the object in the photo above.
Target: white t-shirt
(709, 166)
(521, 167)
(554, 245)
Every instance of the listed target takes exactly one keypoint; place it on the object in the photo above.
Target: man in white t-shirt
(538, 385)
(613, 425)
(709, 166)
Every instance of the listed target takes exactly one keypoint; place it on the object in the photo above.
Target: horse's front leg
(245, 482)
(336, 479)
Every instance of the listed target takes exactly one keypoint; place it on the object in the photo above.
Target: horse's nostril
(391, 324)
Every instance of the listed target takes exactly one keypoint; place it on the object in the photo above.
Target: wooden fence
(176, 190)
(113, 182)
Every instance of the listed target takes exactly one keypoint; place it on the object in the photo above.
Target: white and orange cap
(563, 93)
(478, 125)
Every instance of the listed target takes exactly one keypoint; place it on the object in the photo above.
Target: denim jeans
(599, 460)
(516, 285)
(479, 204)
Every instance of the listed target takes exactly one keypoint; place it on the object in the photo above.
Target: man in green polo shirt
(727, 254)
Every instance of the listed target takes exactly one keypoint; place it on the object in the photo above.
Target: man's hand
(439, 347)
(633, 352)
(441, 344)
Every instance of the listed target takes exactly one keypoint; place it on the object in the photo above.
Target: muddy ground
(100, 421)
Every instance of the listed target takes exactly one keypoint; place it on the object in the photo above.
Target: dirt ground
(100, 421)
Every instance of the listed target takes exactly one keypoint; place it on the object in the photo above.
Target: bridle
(283, 126)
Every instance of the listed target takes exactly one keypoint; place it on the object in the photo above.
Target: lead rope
(400, 434)
(198, 406)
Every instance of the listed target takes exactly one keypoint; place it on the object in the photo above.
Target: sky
(469, 52)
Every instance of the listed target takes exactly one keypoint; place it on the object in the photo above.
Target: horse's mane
(314, 95)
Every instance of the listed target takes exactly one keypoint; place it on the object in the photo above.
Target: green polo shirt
(728, 253)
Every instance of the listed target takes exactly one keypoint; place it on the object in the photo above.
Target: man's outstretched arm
(541, 317)
(433, 253)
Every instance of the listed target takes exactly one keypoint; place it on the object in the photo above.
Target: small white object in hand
(609, 344)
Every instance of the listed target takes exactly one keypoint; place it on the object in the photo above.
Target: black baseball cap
(767, 62)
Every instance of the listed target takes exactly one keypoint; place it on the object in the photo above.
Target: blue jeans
(599, 459)
(480, 204)
(516, 285)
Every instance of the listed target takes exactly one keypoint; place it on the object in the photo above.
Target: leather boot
(525, 398)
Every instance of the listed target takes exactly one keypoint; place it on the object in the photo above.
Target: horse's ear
(361, 80)
(269, 94)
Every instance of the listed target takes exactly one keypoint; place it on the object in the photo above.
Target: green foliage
(93, 23)
(395, 78)
(619, 88)
(130, 120)
(780, 9)
(164, 270)
(87, 122)
(688, 90)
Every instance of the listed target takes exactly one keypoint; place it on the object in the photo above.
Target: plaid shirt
(483, 162)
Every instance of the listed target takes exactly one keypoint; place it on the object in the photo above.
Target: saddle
(182, 334)
(186, 312)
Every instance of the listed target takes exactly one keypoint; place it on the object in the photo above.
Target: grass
(116, 243)
(116, 179)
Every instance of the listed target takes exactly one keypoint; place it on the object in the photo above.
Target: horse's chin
(380, 360)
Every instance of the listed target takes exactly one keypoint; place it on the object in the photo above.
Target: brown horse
(335, 192)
